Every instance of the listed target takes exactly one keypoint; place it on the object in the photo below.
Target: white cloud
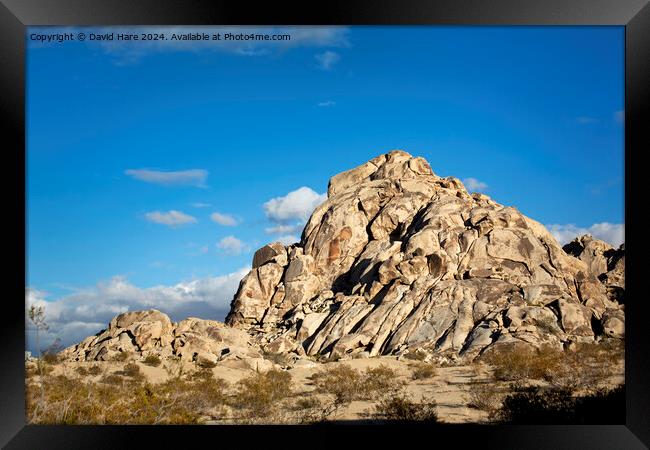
(170, 218)
(296, 205)
(193, 177)
(327, 60)
(619, 116)
(612, 233)
(284, 228)
(200, 205)
(287, 239)
(326, 104)
(473, 184)
(87, 311)
(232, 245)
(583, 120)
(223, 219)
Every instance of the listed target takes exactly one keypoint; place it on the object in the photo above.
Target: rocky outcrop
(144, 333)
(398, 258)
(604, 262)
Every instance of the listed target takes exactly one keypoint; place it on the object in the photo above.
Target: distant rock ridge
(397, 259)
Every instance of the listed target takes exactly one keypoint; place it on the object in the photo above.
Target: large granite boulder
(399, 258)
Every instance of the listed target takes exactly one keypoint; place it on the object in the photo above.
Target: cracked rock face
(399, 258)
(604, 261)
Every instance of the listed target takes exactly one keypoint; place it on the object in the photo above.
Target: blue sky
(133, 147)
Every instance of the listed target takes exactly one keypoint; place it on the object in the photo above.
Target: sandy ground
(450, 387)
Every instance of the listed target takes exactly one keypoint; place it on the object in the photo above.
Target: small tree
(36, 315)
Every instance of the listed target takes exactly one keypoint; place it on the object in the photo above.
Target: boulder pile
(144, 333)
(398, 258)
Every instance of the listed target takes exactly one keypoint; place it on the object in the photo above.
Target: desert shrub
(131, 370)
(524, 363)
(51, 354)
(31, 370)
(152, 360)
(50, 357)
(308, 410)
(94, 370)
(341, 381)
(113, 379)
(584, 366)
(81, 370)
(259, 395)
(206, 364)
(416, 355)
(379, 380)
(121, 356)
(484, 397)
(346, 384)
(423, 371)
(174, 369)
(548, 324)
(74, 401)
(400, 407)
(535, 405)
(281, 359)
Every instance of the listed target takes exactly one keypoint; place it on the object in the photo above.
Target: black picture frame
(16, 15)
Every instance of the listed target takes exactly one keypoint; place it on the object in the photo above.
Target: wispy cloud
(87, 311)
(327, 59)
(619, 116)
(296, 205)
(326, 104)
(224, 219)
(287, 239)
(231, 245)
(612, 233)
(200, 205)
(170, 218)
(473, 184)
(193, 177)
(284, 228)
(584, 120)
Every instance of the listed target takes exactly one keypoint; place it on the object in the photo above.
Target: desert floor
(449, 387)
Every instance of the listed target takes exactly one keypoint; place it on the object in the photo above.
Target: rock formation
(398, 258)
(604, 261)
(151, 332)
